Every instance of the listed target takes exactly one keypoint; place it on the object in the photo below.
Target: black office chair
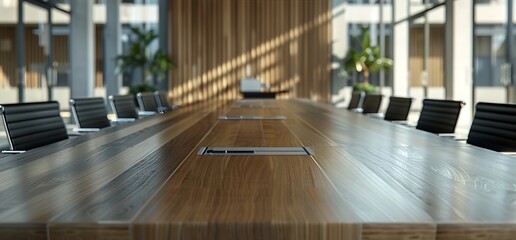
(124, 107)
(162, 101)
(356, 100)
(371, 103)
(90, 114)
(439, 116)
(32, 125)
(147, 103)
(398, 109)
(494, 127)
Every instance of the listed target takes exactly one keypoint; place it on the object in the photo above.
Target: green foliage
(160, 63)
(364, 87)
(366, 58)
(153, 64)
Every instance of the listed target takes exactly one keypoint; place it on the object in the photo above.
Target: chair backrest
(371, 103)
(89, 112)
(123, 106)
(147, 102)
(439, 116)
(494, 127)
(162, 101)
(31, 125)
(398, 109)
(356, 98)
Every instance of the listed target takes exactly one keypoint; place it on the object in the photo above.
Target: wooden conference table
(367, 179)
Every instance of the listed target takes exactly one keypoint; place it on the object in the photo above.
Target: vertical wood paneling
(286, 43)
(34, 59)
(7, 57)
(99, 77)
(436, 60)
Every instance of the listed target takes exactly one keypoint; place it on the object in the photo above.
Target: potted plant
(365, 59)
(154, 65)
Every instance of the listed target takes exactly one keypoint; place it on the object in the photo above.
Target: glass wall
(142, 14)
(490, 55)
(131, 1)
(354, 34)
(492, 76)
(348, 17)
(37, 49)
(426, 51)
(61, 33)
(368, 1)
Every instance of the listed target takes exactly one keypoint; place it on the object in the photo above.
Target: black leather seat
(31, 125)
(371, 103)
(162, 101)
(398, 109)
(123, 106)
(356, 100)
(494, 127)
(439, 116)
(89, 113)
(147, 102)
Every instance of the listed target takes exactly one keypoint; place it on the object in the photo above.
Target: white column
(82, 49)
(462, 59)
(113, 47)
(20, 52)
(164, 32)
(340, 35)
(401, 50)
(510, 51)
(448, 48)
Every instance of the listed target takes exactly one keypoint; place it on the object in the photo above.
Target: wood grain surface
(367, 179)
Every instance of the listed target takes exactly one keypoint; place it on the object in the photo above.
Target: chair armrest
(86, 129)
(446, 135)
(405, 123)
(12, 151)
(453, 136)
(375, 115)
(170, 108)
(512, 154)
(147, 113)
(162, 110)
(74, 134)
(123, 120)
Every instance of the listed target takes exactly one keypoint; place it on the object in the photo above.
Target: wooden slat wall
(286, 43)
(436, 64)
(99, 77)
(7, 56)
